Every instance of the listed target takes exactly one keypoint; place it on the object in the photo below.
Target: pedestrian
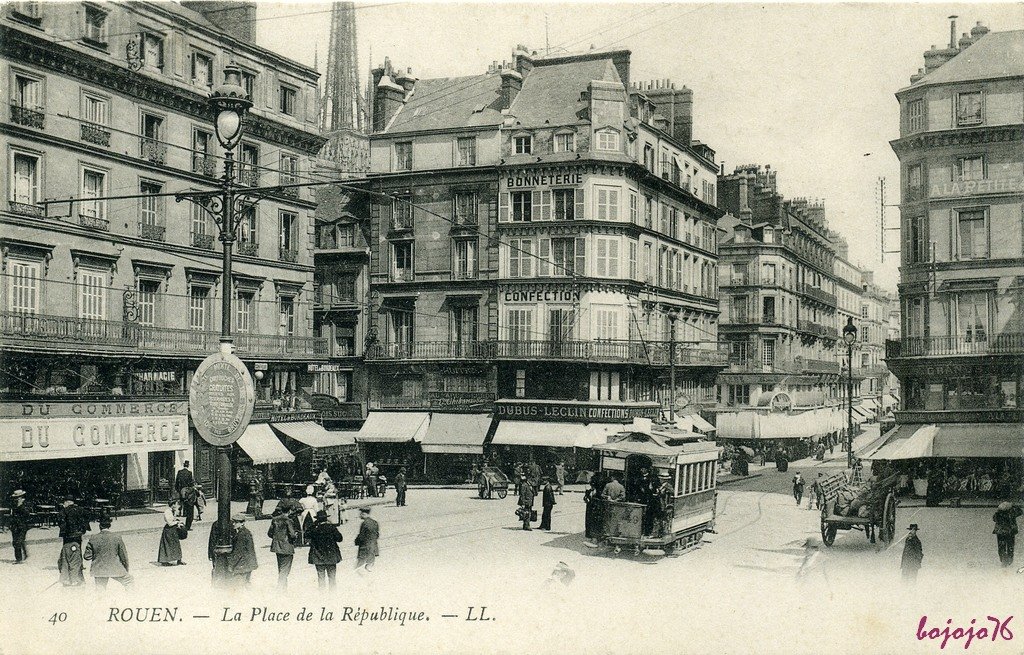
(517, 475)
(169, 553)
(211, 549)
(798, 488)
(547, 503)
(913, 553)
(534, 470)
(20, 524)
(256, 495)
(73, 524)
(310, 506)
(242, 558)
(560, 476)
(200, 502)
(324, 553)
(183, 479)
(400, 487)
(188, 505)
(366, 540)
(109, 557)
(1006, 531)
(614, 489)
(592, 498)
(282, 535)
(526, 496)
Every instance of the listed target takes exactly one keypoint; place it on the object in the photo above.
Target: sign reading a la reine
(221, 399)
(573, 411)
(973, 187)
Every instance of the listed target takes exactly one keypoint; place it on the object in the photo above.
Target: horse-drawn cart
(492, 480)
(865, 507)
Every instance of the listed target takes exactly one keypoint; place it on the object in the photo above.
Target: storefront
(259, 448)
(391, 440)
(125, 451)
(315, 447)
(452, 444)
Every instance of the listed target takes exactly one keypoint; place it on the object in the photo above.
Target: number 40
(59, 617)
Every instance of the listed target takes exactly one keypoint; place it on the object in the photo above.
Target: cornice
(964, 136)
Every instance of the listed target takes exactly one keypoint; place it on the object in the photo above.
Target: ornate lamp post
(850, 337)
(673, 315)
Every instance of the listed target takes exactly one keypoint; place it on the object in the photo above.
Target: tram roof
(659, 442)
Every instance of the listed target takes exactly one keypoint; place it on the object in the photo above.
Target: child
(200, 502)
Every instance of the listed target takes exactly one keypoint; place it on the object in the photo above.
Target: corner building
(552, 242)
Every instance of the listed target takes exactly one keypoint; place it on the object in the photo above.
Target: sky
(806, 88)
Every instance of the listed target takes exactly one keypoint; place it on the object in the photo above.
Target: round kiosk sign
(221, 399)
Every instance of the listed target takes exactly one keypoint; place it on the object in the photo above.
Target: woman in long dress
(170, 541)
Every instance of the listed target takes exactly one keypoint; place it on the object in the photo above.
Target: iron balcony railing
(819, 295)
(204, 241)
(25, 208)
(817, 329)
(247, 248)
(63, 332)
(742, 362)
(95, 222)
(1000, 344)
(204, 165)
(28, 116)
(329, 295)
(153, 150)
(152, 231)
(248, 175)
(288, 255)
(96, 135)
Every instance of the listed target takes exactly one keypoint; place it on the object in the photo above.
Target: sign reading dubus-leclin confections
(221, 399)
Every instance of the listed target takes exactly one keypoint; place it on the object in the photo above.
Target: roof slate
(551, 94)
(997, 54)
(449, 103)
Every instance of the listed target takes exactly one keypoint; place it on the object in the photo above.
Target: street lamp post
(673, 315)
(850, 337)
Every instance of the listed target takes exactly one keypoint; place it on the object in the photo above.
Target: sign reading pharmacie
(573, 411)
(222, 398)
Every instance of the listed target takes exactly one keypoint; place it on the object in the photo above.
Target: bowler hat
(364, 510)
(321, 515)
(240, 517)
(18, 493)
(105, 522)
(912, 526)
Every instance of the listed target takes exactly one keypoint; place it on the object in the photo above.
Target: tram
(670, 480)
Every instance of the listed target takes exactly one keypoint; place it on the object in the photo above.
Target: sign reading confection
(221, 399)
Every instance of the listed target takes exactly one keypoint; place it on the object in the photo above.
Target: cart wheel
(502, 493)
(669, 549)
(617, 550)
(637, 550)
(888, 531)
(828, 534)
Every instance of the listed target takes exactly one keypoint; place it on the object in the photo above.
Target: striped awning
(314, 435)
(393, 427)
(456, 433)
(261, 444)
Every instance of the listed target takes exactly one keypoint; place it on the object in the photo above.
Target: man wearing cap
(109, 556)
(366, 540)
(73, 524)
(242, 558)
(912, 555)
(324, 553)
(20, 523)
(547, 503)
(400, 487)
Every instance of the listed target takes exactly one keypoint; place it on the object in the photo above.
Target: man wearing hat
(526, 496)
(400, 487)
(242, 558)
(20, 519)
(1005, 531)
(912, 555)
(366, 540)
(324, 553)
(73, 524)
(109, 556)
(185, 486)
(547, 503)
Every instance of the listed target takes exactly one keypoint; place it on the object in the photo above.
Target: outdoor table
(48, 513)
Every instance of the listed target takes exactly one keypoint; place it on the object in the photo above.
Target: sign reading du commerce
(94, 437)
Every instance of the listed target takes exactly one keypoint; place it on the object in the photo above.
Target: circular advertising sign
(221, 399)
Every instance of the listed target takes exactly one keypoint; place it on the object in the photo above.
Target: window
(915, 182)
(28, 92)
(972, 234)
(249, 164)
(918, 244)
(27, 10)
(403, 156)
(969, 108)
(25, 182)
(464, 324)
(565, 142)
(607, 323)
(96, 25)
(401, 257)
(739, 394)
(402, 209)
(153, 51)
(289, 169)
(607, 257)
(94, 185)
(607, 203)
(465, 208)
(915, 115)
(202, 69)
(94, 109)
(247, 228)
(632, 260)
(198, 304)
(634, 208)
(607, 140)
(245, 309)
(151, 211)
(519, 325)
(401, 324)
(522, 206)
(649, 157)
(287, 231)
(466, 147)
(768, 353)
(565, 201)
(92, 294)
(286, 100)
(970, 168)
(286, 325)
(567, 255)
(972, 317)
(23, 288)
(249, 82)
(202, 153)
(648, 262)
(520, 258)
(648, 212)
(148, 290)
(605, 385)
(523, 144)
(768, 275)
(520, 383)
(465, 258)
(863, 311)
(865, 333)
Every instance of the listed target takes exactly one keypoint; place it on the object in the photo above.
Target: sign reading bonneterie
(60, 438)
(221, 399)
(530, 179)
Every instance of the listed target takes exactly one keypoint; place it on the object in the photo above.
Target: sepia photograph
(511, 327)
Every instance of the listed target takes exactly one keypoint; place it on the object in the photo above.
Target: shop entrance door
(161, 475)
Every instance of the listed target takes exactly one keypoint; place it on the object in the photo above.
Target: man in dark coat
(282, 535)
(400, 487)
(242, 558)
(73, 524)
(534, 470)
(109, 557)
(547, 504)
(366, 540)
(256, 495)
(913, 553)
(1006, 531)
(214, 532)
(324, 553)
(184, 486)
(20, 523)
(526, 496)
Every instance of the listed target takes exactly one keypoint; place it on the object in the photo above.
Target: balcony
(823, 297)
(818, 366)
(204, 165)
(401, 275)
(94, 222)
(48, 332)
(288, 255)
(154, 151)
(28, 117)
(1000, 344)
(247, 248)
(204, 241)
(817, 329)
(329, 295)
(436, 400)
(152, 231)
(95, 135)
(25, 208)
(976, 415)
(248, 176)
(431, 350)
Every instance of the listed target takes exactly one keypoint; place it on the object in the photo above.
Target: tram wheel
(617, 550)
(502, 493)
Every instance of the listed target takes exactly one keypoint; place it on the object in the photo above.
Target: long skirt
(170, 546)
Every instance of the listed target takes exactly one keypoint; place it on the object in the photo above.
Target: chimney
(406, 80)
(388, 96)
(236, 19)
(511, 84)
(965, 42)
(952, 32)
(978, 31)
(676, 106)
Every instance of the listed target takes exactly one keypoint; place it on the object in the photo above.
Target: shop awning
(393, 427)
(699, 423)
(979, 440)
(865, 451)
(594, 434)
(862, 411)
(314, 434)
(456, 433)
(261, 444)
(910, 441)
(537, 433)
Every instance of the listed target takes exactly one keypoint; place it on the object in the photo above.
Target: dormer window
(523, 144)
(565, 142)
(96, 26)
(607, 140)
(968, 108)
